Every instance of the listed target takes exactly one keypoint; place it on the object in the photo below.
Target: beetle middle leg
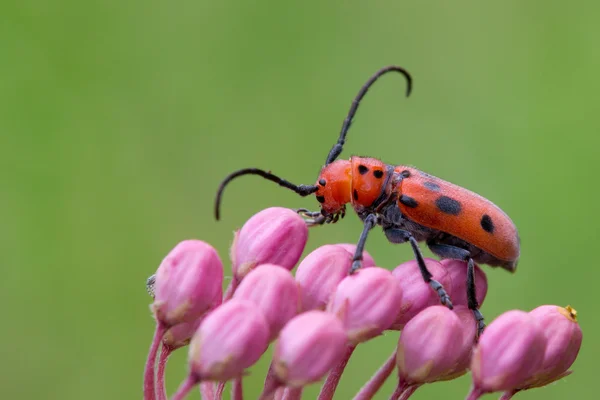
(396, 235)
(453, 252)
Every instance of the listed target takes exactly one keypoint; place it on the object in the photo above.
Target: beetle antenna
(302, 190)
(337, 148)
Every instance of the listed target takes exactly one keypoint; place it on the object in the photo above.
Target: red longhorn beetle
(410, 205)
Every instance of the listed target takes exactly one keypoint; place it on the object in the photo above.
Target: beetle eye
(321, 199)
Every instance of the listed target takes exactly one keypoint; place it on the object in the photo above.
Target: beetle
(410, 206)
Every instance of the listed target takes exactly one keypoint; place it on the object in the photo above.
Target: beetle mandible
(410, 205)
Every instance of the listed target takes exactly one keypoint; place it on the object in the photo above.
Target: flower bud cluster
(317, 317)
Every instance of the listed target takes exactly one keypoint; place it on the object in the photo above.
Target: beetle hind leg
(453, 252)
(395, 235)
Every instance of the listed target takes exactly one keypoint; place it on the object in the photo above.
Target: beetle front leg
(311, 218)
(395, 235)
(370, 222)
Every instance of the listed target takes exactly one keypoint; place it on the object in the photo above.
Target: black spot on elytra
(362, 169)
(434, 187)
(425, 174)
(321, 199)
(322, 182)
(378, 174)
(405, 173)
(355, 194)
(408, 201)
(487, 224)
(448, 205)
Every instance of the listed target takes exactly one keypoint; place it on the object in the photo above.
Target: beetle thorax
(369, 181)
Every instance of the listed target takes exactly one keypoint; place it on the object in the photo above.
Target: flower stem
(237, 392)
(230, 289)
(474, 394)
(328, 389)
(185, 387)
(220, 388)
(508, 395)
(292, 394)
(397, 392)
(377, 380)
(149, 384)
(408, 392)
(207, 390)
(161, 392)
(271, 384)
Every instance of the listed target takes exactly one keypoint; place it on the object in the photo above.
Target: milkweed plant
(317, 317)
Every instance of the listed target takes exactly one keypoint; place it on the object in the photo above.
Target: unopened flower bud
(435, 345)
(509, 352)
(319, 273)
(564, 336)
(180, 335)
(368, 301)
(188, 282)
(274, 292)
(417, 295)
(230, 339)
(273, 236)
(367, 260)
(309, 345)
(457, 270)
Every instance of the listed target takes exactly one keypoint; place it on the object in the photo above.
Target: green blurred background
(119, 119)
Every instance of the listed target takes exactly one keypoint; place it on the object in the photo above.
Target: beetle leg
(453, 252)
(370, 222)
(311, 218)
(395, 235)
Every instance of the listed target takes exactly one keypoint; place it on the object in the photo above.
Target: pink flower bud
(564, 336)
(308, 347)
(416, 294)
(457, 270)
(319, 274)
(188, 282)
(368, 301)
(180, 335)
(230, 339)
(367, 261)
(273, 236)
(274, 292)
(509, 352)
(435, 345)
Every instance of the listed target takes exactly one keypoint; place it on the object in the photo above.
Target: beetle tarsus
(356, 265)
(443, 295)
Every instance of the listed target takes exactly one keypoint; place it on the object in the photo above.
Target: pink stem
(279, 393)
(377, 380)
(328, 389)
(272, 383)
(207, 390)
(220, 388)
(237, 392)
(161, 391)
(230, 289)
(185, 387)
(474, 394)
(292, 393)
(508, 395)
(408, 392)
(397, 392)
(149, 389)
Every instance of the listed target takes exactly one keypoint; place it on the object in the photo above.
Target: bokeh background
(119, 119)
